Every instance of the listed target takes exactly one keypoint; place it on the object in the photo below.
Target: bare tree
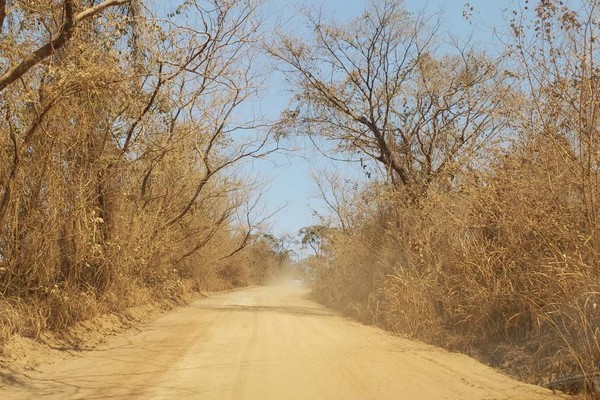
(337, 194)
(377, 85)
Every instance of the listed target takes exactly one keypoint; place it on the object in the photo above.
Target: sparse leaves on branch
(377, 85)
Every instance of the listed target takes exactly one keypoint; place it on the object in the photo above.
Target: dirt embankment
(21, 354)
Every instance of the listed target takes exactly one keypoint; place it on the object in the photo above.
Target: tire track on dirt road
(267, 343)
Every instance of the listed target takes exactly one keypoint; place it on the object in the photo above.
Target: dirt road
(267, 343)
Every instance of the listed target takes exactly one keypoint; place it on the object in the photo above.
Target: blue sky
(288, 177)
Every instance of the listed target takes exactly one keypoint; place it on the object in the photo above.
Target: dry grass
(479, 230)
(503, 266)
(112, 185)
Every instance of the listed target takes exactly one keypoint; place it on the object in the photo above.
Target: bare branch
(64, 35)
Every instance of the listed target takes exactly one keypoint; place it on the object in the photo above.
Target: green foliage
(314, 237)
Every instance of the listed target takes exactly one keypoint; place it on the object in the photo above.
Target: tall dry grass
(502, 266)
(479, 227)
(113, 151)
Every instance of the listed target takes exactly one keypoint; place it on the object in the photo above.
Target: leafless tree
(378, 85)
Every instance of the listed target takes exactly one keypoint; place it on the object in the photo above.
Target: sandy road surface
(267, 343)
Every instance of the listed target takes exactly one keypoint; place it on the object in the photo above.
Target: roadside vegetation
(119, 146)
(477, 227)
(125, 126)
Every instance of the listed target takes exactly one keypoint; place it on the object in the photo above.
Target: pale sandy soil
(264, 343)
